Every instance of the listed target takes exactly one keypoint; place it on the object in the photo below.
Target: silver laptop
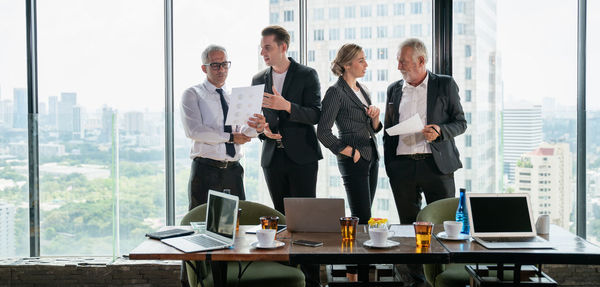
(503, 221)
(221, 218)
(313, 214)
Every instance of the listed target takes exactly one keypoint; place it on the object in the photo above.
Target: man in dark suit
(426, 161)
(291, 106)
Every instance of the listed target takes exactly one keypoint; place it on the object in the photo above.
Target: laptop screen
(500, 214)
(221, 215)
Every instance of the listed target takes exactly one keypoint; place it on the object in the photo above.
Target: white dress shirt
(414, 101)
(202, 118)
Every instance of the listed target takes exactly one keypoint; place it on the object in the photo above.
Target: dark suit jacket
(443, 109)
(342, 106)
(300, 87)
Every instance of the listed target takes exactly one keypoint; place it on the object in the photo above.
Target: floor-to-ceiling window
(14, 200)
(593, 123)
(101, 81)
(516, 65)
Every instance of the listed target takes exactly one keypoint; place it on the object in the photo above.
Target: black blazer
(301, 87)
(443, 109)
(355, 128)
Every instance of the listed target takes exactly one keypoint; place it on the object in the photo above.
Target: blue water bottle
(461, 212)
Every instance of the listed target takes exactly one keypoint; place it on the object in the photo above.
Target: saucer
(388, 244)
(445, 236)
(276, 244)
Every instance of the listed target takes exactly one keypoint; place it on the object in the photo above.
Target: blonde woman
(347, 104)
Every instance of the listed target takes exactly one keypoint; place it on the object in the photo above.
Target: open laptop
(221, 218)
(313, 214)
(503, 221)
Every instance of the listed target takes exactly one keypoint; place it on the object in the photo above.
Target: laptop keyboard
(511, 239)
(204, 241)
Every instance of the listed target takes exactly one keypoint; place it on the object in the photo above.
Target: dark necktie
(229, 147)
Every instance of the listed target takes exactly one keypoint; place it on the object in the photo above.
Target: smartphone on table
(308, 243)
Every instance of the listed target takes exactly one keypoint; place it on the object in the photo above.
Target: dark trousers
(360, 181)
(410, 177)
(286, 178)
(205, 176)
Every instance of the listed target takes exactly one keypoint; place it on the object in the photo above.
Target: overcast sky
(111, 52)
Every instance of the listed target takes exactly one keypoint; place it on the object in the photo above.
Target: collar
(212, 88)
(422, 85)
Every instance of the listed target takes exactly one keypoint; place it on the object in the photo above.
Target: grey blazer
(355, 128)
(443, 109)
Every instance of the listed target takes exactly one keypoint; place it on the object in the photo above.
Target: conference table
(569, 249)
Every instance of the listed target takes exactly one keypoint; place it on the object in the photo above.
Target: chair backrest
(251, 211)
(439, 211)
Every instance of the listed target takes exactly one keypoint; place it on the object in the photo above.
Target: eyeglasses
(217, 66)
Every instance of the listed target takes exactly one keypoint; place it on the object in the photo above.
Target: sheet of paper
(403, 230)
(243, 103)
(413, 125)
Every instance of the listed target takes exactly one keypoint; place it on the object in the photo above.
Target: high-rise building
(6, 112)
(476, 70)
(20, 108)
(65, 114)
(134, 122)
(379, 28)
(77, 129)
(107, 124)
(545, 174)
(53, 112)
(522, 126)
(7, 230)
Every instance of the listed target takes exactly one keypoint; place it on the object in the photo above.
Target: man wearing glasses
(216, 147)
(291, 106)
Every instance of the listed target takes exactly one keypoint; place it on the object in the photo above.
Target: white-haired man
(424, 161)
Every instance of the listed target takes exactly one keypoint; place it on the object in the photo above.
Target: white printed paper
(413, 125)
(402, 230)
(244, 102)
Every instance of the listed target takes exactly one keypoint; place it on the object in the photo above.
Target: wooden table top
(569, 249)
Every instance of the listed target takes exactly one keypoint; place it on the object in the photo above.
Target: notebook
(221, 218)
(313, 214)
(503, 221)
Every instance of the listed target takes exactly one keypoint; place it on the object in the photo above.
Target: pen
(435, 131)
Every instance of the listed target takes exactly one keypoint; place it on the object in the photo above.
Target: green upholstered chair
(258, 273)
(443, 274)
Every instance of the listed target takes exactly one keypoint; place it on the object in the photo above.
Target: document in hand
(413, 125)
(244, 102)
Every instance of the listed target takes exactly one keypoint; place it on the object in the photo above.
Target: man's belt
(415, 156)
(217, 163)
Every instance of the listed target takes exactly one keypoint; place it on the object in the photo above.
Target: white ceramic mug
(265, 237)
(542, 225)
(379, 235)
(452, 228)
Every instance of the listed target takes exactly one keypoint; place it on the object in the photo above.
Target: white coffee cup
(542, 225)
(265, 237)
(378, 235)
(452, 228)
